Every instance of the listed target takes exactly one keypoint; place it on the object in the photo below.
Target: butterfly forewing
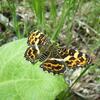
(74, 58)
(37, 38)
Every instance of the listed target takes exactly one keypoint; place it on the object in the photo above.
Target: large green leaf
(20, 80)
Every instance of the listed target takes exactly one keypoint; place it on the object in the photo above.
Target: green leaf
(21, 80)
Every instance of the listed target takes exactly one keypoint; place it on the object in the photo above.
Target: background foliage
(74, 23)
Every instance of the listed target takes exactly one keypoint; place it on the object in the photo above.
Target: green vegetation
(68, 21)
(20, 80)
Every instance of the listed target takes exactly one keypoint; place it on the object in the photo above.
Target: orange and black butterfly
(40, 48)
(54, 58)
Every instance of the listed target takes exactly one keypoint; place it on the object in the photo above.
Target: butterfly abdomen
(44, 56)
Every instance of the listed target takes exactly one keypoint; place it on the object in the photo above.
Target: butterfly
(40, 48)
(54, 58)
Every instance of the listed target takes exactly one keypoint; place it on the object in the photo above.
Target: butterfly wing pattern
(74, 58)
(56, 66)
(54, 59)
(31, 54)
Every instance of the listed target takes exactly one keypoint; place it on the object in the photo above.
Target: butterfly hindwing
(31, 54)
(56, 66)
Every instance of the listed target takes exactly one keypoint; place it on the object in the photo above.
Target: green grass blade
(68, 10)
(53, 10)
(37, 7)
(12, 7)
(56, 33)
